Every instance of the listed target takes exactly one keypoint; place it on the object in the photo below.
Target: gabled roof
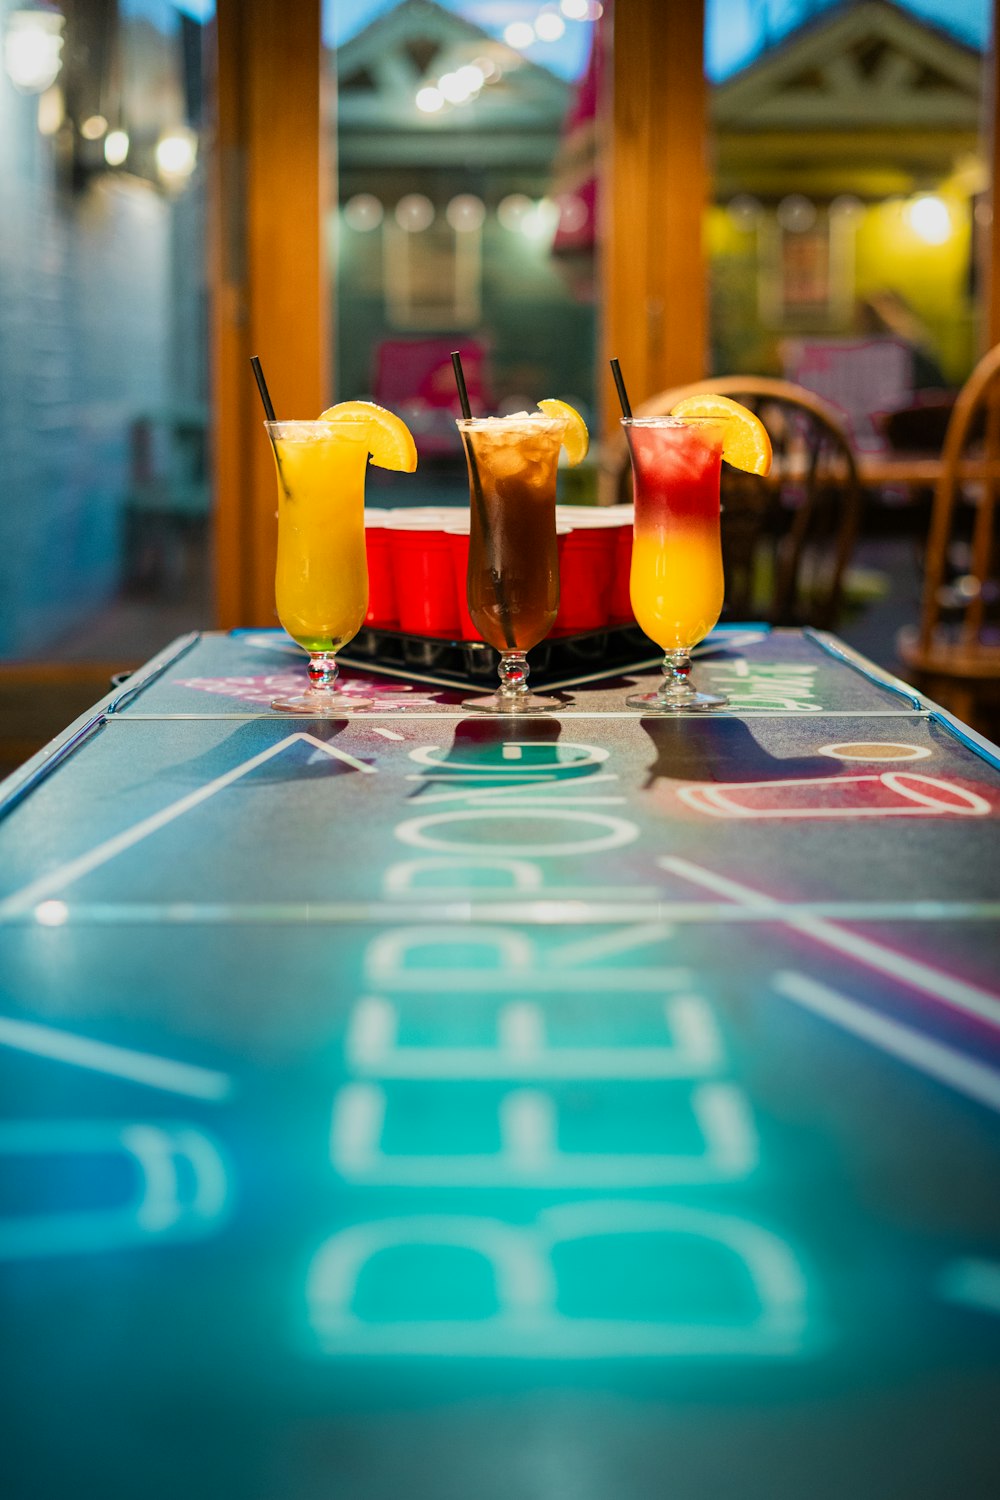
(867, 65)
(380, 70)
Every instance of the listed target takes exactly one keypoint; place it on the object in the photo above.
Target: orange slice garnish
(390, 441)
(745, 443)
(576, 438)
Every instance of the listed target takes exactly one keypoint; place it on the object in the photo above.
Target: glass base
(319, 705)
(658, 703)
(512, 703)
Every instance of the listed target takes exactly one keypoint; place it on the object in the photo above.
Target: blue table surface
(423, 1104)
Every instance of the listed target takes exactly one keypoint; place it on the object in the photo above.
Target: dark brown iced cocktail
(513, 578)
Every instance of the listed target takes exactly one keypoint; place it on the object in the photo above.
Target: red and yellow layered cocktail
(677, 583)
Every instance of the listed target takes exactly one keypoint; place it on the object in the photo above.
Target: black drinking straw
(622, 393)
(463, 394)
(262, 387)
(265, 397)
(499, 591)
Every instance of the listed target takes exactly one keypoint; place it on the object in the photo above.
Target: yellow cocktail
(321, 581)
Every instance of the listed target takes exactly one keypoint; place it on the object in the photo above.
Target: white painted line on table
(976, 1080)
(609, 944)
(561, 908)
(984, 1004)
(58, 879)
(120, 1062)
(447, 714)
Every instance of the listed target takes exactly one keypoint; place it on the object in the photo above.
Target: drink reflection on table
(719, 749)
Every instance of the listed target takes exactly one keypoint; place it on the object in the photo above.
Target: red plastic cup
(382, 611)
(458, 536)
(423, 574)
(586, 570)
(621, 610)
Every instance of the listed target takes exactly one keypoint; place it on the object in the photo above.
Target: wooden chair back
(787, 538)
(967, 488)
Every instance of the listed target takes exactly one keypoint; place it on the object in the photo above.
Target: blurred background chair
(955, 653)
(786, 538)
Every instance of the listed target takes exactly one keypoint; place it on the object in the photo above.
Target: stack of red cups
(418, 560)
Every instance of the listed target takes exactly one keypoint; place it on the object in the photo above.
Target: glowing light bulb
(176, 154)
(541, 220)
(454, 87)
(32, 50)
(549, 27)
(519, 34)
(363, 212)
(473, 77)
(512, 209)
(51, 110)
(929, 219)
(414, 213)
(466, 213)
(430, 100)
(116, 144)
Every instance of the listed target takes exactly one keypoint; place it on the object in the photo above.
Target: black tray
(559, 661)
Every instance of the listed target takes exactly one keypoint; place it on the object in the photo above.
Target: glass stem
(676, 671)
(513, 671)
(323, 671)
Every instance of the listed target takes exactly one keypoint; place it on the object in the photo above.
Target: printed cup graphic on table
(513, 574)
(892, 794)
(321, 580)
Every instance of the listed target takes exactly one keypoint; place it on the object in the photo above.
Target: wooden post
(655, 297)
(267, 275)
(990, 323)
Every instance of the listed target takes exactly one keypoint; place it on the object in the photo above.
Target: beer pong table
(422, 1104)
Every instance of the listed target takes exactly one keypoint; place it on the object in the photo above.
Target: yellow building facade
(849, 195)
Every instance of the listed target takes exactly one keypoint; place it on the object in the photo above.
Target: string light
(549, 27)
(929, 219)
(116, 144)
(414, 213)
(466, 213)
(32, 51)
(363, 212)
(176, 153)
(462, 84)
(519, 34)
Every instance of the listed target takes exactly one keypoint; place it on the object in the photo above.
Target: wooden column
(267, 275)
(990, 324)
(655, 191)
